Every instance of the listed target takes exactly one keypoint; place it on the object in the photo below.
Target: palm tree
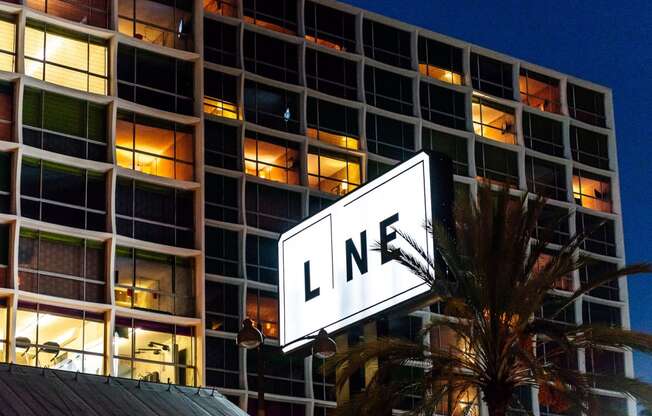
(503, 306)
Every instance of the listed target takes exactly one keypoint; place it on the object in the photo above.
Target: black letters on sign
(310, 294)
(360, 258)
(385, 238)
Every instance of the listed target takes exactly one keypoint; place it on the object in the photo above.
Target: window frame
(479, 126)
(181, 40)
(325, 38)
(372, 96)
(604, 204)
(292, 167)
(549, 104)
(348, 159)
(498, 177)
(430, 95)
(372, 51)
(554, 145)
(287, 72)
(453, 73)
(253, 113)
(536, 184)
(477, 81)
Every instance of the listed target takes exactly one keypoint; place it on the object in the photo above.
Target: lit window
(65, 58)
(440, 61)
(220, 94)
(221, 7)
(494, 121)
(62, 266)
(591, 190)
(262, 308)
(332, 172)
(94, 13)
(154, 282)
(565, 282)
(156, 352)
(271, 158)
(7, 44)
(154, 146)
(333, 123)
(58, 338)
(539, 91)
(164, 23)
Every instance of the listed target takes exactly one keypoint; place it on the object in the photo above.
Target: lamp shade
(249, 337)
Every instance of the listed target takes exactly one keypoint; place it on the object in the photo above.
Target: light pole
(251, 337)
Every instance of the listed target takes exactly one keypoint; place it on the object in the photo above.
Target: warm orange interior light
(591, 193)
(345, 142)
(440, 74)
(326, 43)
(539, 94)
(220, 108)
(219, 7)
(493, 123)
(267, 25)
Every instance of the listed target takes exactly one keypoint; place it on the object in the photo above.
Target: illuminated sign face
(333, 269)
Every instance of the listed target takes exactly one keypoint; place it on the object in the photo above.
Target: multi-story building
(152, 151)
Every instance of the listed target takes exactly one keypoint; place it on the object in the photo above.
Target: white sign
(330, 276)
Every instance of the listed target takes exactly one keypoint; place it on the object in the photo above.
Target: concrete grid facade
(234, 181)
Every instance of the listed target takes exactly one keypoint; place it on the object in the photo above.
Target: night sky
(607, 42)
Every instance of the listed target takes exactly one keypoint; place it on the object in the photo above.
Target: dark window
(550, 307)
(6, 107)
(5, 182)
(220, 43)
(63, 195)
(333, 123)
(154, 213)
(222, 307)
(155, 146)
(221, 145)
(612, 406)
(91, 13)
(271, 57)
(452, 146)
(331, 74)
(598, 314)
(222, 252)
(387, 90)
(387, 44)
(222, 197)
(543, 134)
(163, 22)
(376, 169)
(492, 76)
(589, 147)
(64, 125)
(600, 234)
(155, 80)
(605, 363)
(318, 203)
(552, 225)
(61, 265)
(586, 105)
(323, 384)
(284, 373)
(271, 107)
(154, 282)
(539, 91)
(262, 259)
(595, 269)
(406, 327)
(222, 363)
(390, 138)
(277, 15)
(278, 408)
(221, 94)
(496, 164)
(271, 208)
(330, 27)
(440, 61)
(556, 354)
(443, 106)
(545, 178)
(592, 191)
(4, 256)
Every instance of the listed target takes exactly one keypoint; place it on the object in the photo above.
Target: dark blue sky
(606, 42)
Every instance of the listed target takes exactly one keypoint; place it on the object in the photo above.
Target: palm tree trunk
(497, 409)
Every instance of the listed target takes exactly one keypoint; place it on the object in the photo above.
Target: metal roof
(30, 391)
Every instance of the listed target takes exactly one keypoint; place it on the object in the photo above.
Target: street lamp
(251, 337)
